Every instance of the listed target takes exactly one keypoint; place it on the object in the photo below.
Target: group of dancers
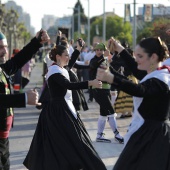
(61, 140)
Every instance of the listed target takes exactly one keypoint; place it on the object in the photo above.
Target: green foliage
(23, 33)
(144, 33)
(97, 22)
(125, 34)
(114, 27)
(76, 8)
(157, 28)
(76, 36)
(83, 20)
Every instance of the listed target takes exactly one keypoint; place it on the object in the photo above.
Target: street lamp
(77, 9)
(134, 24)
(78, 20)
(72, 36)
(10, 40)
(104, 22)
(88, 23)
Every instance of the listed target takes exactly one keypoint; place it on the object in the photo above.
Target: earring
(151, 67)
(58, 62)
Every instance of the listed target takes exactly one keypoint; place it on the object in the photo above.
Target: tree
(83, 18)
(23, 34)
(114, 27)
(144, 32)
(155, 29)
(159, 28)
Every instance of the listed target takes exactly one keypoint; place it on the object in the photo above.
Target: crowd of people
(121, 81)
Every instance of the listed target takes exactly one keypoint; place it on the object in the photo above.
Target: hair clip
(160, 41)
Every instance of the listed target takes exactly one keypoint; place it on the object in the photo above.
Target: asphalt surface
(25, 121)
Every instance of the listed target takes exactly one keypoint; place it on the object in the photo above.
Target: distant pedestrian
(103, 97)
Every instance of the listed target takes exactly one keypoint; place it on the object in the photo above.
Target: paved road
(26, 119)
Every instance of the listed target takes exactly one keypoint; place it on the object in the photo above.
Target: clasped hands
(114, 45)
(103, 74)
(44, 37)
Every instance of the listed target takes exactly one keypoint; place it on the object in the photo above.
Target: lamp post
(104, 22)
(78, 20)
(73, 26)
(88, 41)
(78, 23)
(10, 40)
(15, 35)
(72, 29)
(134, 24)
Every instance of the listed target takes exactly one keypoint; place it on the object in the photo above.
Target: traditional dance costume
(61, 141)
(147, 142)
(124, 101)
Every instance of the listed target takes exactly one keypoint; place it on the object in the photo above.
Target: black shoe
(128, 115)
(39, 107)
(102, 139)
(122, 116)
(120, 138)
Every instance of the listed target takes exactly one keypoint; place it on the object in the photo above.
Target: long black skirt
(61, 142)
(147, 149)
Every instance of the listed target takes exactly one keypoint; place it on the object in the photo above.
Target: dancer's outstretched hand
(104, 74)
(32, 97)
(95, 83)
(80, 43)
(42, 36)
(115, 45)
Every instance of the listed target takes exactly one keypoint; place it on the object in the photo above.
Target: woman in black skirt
(61, 141)
(147, 142)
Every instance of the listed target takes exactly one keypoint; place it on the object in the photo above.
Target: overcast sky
(38, 8)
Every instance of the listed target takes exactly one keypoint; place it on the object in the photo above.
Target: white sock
(112, 122)
(101, 125)
(113, 125)
(113, 96)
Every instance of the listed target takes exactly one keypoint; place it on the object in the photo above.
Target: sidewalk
(26, 119)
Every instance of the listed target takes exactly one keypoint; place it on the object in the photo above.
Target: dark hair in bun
(155, 45)
(58, 49)
(64, 43)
